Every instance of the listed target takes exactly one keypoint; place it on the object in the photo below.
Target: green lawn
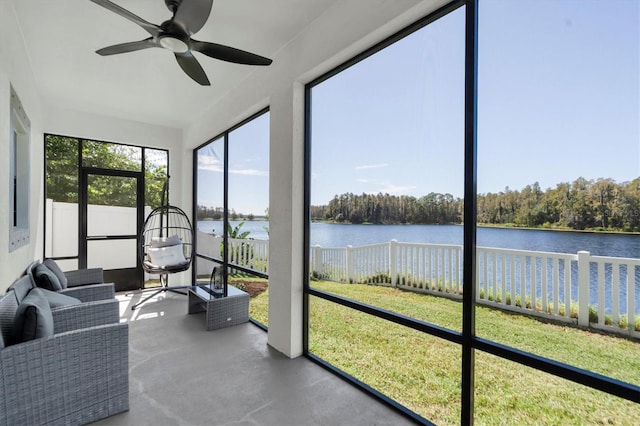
(423, 372)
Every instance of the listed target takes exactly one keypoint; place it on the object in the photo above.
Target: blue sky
(248, 169)
(559, 98)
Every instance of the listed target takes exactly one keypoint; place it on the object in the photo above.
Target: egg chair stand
(166, 246)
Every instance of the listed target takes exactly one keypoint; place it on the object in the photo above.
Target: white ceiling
(62, 36)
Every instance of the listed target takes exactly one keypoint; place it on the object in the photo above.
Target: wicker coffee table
(220, 311)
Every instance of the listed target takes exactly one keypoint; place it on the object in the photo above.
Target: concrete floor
(181, 374)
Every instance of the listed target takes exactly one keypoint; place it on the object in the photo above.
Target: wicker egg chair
(166, 245)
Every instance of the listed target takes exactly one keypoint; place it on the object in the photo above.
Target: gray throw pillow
(53, 267)
(57, 300)
(45, 278)
(158, 242)
(33, 318)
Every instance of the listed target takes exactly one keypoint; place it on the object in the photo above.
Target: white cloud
(396, 189)
(372, 166)
(249, 172)
(209, 163)
(388, 188)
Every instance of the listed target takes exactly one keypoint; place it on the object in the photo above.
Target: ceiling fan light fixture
(174, 44)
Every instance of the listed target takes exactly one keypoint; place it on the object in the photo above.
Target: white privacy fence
(593, 290)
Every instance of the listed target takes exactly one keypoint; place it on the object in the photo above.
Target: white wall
(15, 70)
(344, 30)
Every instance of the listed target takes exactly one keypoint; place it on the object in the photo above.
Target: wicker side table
(220, 311)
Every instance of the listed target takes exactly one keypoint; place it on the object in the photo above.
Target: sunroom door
(111, 216)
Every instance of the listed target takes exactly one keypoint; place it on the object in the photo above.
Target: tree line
(601, 204)
(216, 213)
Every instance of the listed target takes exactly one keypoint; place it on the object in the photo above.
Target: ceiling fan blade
(229, 54)
(193, 14)
(192, 68)
(152, 29)
(127, 47)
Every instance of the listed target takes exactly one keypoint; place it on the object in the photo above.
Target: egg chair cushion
(166, 256)
(173, 240)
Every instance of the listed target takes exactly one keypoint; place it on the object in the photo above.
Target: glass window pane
(117, 191)
(210, 191)
(156, 165)
(558, 150)
(248, 197)
(61, 158)
(62, 168)
(507, 393)
(419, 371)
(112, 254)
(387, 172)
(249, 194)
(111, 156)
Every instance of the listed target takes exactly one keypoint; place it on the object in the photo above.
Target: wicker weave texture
(76, 377)
(91, 292)
(84, 277)
(87, 314)
(221, 312)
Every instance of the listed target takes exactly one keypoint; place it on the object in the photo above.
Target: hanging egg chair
(166, 244)
(166, 241)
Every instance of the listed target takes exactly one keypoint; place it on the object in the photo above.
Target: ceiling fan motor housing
(173, 5)
(174, 37)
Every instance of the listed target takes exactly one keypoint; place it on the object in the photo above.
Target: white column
(286, 190)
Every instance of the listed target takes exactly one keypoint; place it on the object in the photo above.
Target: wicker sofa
(84, 284)
(63, 365)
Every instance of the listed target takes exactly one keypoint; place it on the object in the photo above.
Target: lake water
(598, 244)
(342, 235)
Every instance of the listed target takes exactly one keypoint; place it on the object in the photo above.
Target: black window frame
(224, 262)
(80, 169)
(467, 339)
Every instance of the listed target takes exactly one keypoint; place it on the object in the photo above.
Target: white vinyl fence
(568, 287)
(252, 254)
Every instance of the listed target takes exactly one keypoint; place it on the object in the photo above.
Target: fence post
(583, 288)
(316, 261)
(393, 262)
(349, 262)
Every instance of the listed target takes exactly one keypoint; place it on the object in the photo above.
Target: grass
(259, 305)
(423, 372)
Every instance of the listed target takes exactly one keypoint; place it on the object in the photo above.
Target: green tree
(62, 168)
(236, 232)
(62, 159)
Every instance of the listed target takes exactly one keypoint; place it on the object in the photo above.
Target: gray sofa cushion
(45, 278)
(53, 267)
(57, 300)
(33, 318)
(22, 286)
(8, 309)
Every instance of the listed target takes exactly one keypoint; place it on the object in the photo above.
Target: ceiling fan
(189, 16)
